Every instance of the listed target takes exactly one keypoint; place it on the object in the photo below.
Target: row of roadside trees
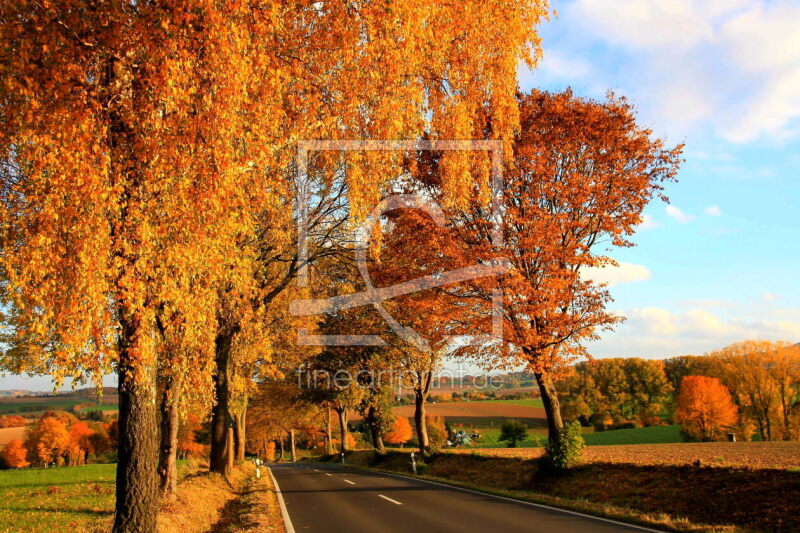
(150, 198)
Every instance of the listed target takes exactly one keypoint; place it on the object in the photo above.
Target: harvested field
(9, 434)
(780, 455)
(481, 412)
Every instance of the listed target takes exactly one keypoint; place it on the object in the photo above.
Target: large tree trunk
(230, 452)
(137, 479)
(221, 420)
(342, 429)
(419, 421)
(552, 408)
(292, 445)
(375, 431)
(240, 433)
(328, 431)
(167, 465)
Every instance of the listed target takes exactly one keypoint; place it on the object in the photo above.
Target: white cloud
(657, 332)
(730, 64)
(770, 297)
(678, 215)
(615, 275)
(558, 64)
(714, 211)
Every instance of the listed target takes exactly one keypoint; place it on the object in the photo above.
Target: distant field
(35, 405)
(9, 434)
(648, 435)
(530, 402)
(102, 407)
(484, 414)
(79, 498)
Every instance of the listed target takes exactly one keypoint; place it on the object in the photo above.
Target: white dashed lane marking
(389, 499)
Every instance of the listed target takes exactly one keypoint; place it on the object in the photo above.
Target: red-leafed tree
(583, 173)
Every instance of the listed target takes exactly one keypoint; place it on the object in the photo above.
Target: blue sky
(723, 76)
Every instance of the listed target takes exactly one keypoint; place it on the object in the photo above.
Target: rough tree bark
(168, 453)
(292, 445)
(220, 422)
(137, 479)
(552, 408)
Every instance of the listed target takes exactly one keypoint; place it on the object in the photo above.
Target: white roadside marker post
(413, 463)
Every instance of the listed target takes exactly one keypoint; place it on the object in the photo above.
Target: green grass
(648, 435)
(101, 407)
(77, 498)
(30, 407)
(490, 438)
(538, 437)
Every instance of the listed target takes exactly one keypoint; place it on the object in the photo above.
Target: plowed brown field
(748, 454)
(477, 410)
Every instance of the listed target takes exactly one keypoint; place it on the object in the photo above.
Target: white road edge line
(327, 474)
(287, 522)
(348, 481)
(539, 505)
(389, 499)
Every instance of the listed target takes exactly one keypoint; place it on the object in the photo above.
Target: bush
(567, 452)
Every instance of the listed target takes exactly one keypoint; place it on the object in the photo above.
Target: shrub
(437, 434)
(567, 452)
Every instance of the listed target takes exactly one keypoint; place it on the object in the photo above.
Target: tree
(175, 123)
(512, 432)
(47, 441)
(12, 421)
(583, 173)
(400, 431)
(15, 454)
(435, 92)
(705, 408)
(80, 436)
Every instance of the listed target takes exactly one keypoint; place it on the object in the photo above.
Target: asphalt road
(334, 498)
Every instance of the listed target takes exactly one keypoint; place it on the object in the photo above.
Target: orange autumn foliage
(400, 432)
(48, 441)
(15, 454)
(705, 408)
(187, 444)
(583, 172)
(12, 421)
